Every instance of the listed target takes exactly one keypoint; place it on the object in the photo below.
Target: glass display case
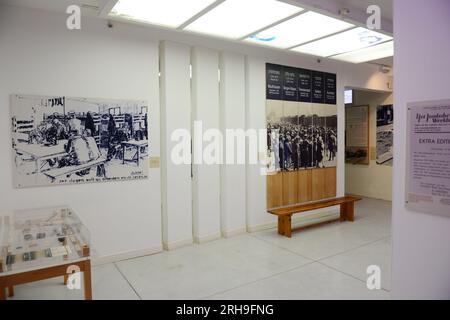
(40, 238)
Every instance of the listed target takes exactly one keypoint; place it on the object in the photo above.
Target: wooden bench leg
(287, 226)
(347, 211)
(2, 293)
(351, 211)
(281, 226)
(343, 212)
(66, 279)
(10, 291)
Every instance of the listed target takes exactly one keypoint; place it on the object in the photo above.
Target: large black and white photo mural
(301, 117)
(63, 140)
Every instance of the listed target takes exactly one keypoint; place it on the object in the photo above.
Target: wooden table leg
(66, 279)
(2, 294)
(87, 280)
(10, 291)
(280, 226)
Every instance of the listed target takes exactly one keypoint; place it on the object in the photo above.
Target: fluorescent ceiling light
(168, 13)
(343, 42)
(368, 54)
(303, 28)
(237, 18)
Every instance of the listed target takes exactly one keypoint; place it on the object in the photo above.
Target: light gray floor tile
(202, 270)
(355, 262)
(313, 281)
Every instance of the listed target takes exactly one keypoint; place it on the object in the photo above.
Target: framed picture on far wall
(385, 134)
(357, 135)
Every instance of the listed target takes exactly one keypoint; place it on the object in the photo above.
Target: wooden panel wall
(330, 184)
(287, 188)
(318, 184)
(290, 187)
(275, 190)
(304, 186)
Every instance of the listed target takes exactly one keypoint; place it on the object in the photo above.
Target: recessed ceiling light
(368, 54)
(343, 42)
(237, 18)
(300, 29)
(168, 13)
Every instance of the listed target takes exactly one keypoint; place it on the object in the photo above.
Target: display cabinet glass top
(40, 238)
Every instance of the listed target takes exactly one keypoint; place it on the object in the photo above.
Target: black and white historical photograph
(274, 115)
(301, 135)
(62, 140)
(325, 135)
(385, 135)
(357, 135)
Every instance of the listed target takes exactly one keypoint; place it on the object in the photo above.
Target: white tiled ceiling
(91, 7)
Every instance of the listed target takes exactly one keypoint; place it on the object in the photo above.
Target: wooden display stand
(9, 281)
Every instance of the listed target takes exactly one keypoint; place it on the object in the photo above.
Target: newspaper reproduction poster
(428, 158)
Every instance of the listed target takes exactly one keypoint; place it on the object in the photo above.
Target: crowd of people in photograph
(295, 146)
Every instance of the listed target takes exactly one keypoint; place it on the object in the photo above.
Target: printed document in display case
(40, 244)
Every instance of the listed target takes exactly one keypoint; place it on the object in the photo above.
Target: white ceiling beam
(105, 7)
(201, 13)
(332, 7)
(273, 24)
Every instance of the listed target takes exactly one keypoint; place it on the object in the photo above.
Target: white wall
(373, 180)
(232, 108)
(257, 216)
(175, 115)
(39, 56)
(205, 108)
(421, 255)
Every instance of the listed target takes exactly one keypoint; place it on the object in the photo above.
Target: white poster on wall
(428, 158)
(61, 140)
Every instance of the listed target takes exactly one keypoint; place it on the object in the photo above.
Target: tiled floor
(327, 262)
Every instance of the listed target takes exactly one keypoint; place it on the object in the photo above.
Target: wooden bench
(284, 214)
(69, 170)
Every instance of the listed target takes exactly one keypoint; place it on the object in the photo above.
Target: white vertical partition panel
(175, 114)
(233, 180)
(205, 111)
(257, 217)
